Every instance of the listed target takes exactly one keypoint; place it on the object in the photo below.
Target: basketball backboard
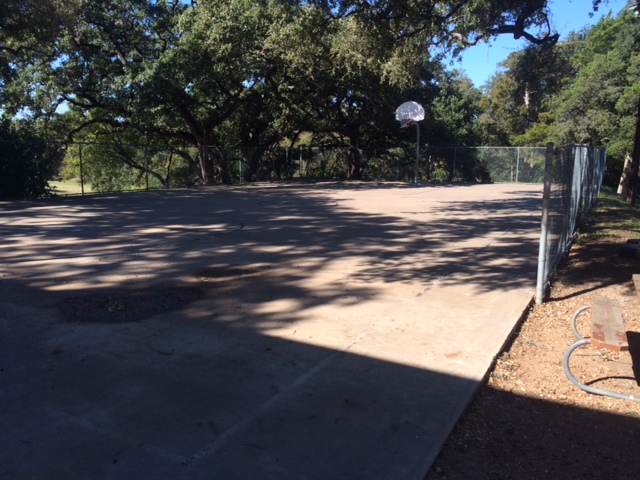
(410, 111)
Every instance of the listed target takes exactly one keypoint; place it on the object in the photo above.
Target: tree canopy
(263, 73)
(583, 90)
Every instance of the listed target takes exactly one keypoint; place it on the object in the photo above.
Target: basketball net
(405, 122)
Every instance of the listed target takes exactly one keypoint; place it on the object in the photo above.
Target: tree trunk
(356, 169)
(635, 161)
(207, 169)
(250, 158)
(625, 177)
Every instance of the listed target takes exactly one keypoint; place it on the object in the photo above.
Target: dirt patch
(127, 306)
(230, 272)
(528, 421)
(137, 305)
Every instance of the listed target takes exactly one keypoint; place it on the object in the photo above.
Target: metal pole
(415, 168)
(546, 203)
(453, 168)
(517, 163)
(81, 170)
(146, 165)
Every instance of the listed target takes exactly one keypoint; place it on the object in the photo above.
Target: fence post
(546, 203)
(81, 170)
(146, 165)
(517, 163)
(289, 166)
(453, 167)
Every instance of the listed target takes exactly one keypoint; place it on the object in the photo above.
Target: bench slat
(607, 326)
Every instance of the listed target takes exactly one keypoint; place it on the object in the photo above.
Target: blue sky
(481, 61)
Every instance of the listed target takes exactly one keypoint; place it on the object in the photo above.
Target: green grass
(69, 188)
(611, 214)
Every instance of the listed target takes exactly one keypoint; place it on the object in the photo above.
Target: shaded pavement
(271, 331)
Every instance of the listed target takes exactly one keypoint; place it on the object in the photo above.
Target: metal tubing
(573, 322)
(587, 388)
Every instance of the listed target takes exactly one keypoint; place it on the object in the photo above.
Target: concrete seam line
(80, 422)
(222, 439)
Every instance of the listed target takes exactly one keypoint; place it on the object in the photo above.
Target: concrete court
(292, 331)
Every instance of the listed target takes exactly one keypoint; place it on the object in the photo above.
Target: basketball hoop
(406, 122)
(410, 113)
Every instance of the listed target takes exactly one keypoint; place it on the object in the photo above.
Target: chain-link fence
(486, 164)
(572, 175)
(270, 164)
(102, 167)
(106, 167)
(573, 178)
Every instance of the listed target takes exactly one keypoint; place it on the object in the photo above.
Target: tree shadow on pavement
(184, 332)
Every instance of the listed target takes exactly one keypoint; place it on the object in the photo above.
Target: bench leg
(582, 386)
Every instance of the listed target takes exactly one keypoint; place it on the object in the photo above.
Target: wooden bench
(607, 331)
(607, 326)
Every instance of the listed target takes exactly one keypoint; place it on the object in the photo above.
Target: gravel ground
(528, 421)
